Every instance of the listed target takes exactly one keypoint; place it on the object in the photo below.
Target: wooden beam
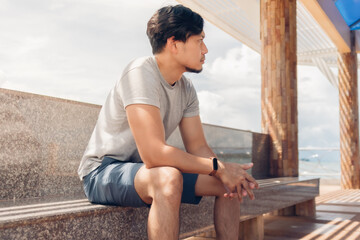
(329, 18)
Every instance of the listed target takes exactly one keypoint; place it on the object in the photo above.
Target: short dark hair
(178, 21)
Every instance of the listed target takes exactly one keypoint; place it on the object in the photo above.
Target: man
(127, 161)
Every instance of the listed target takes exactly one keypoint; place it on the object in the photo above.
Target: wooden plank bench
(41, 197)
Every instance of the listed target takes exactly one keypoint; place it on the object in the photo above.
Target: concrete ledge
(80, 219)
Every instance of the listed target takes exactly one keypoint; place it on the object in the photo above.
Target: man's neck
(169, 69)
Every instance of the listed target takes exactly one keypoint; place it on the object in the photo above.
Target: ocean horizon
(321, 163)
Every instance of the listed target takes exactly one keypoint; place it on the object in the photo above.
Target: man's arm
(148, 131)
(193, 137)
(195, 143)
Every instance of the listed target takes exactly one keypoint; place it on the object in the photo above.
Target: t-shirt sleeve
(138, 86)
(192, 108)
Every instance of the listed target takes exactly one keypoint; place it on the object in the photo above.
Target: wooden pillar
(279, 84)
(349, 118)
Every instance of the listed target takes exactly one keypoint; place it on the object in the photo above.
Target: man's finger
(239, 192)
(247, 166)
(244, 193)
(248, 190)
(252, 180)
(227, 189)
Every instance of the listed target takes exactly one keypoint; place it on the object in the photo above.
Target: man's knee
(169, 184)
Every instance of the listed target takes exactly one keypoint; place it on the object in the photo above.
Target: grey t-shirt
(140, 83)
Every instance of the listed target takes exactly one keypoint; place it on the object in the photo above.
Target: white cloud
(77, 49)
(318, 109)
(215, 109)
(239, 67)
(210, 104)
(2, 78)
(230, 95)
(229, 90)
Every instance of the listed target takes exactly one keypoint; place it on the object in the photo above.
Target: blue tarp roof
(350, 10)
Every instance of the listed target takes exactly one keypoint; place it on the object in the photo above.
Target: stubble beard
(192, 70)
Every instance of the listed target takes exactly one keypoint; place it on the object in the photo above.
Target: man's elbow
(148, 162)
(152, 158)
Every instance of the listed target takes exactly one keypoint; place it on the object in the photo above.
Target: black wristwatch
(215, 166)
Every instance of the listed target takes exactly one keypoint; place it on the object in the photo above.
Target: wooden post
(279, 84)
(252, 229)
(349, 118)
(306, 209)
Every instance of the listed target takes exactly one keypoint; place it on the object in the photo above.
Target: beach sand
(329, 185)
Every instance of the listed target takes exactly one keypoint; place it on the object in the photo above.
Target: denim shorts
(112, 183)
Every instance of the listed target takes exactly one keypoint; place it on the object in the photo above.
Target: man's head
(173, 21)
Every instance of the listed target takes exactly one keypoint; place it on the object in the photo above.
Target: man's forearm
(197, 161)
(203, 151)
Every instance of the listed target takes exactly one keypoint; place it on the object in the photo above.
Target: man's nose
(204, 49)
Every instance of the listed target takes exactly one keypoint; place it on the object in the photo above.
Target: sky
(77, 49)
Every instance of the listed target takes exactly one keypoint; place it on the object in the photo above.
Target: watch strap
(215, 166)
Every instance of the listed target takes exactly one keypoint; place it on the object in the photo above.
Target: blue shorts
(112, 183)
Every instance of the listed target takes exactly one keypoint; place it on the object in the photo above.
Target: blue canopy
(350, 10)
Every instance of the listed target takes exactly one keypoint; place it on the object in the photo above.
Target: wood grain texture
(349, 118)
(279, 84)
(252, 229)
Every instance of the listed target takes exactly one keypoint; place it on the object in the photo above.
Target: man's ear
(171, 44)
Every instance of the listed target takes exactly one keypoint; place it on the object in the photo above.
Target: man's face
(192, 53)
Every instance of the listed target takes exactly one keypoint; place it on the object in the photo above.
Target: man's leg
(226, 218)
(226, 211)
(162, 188)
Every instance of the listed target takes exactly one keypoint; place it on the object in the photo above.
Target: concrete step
(55, 218)
(75, 219)
(58, 217)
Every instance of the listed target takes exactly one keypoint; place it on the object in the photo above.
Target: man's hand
(237, 182)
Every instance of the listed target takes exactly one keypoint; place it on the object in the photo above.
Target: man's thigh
(113, 184)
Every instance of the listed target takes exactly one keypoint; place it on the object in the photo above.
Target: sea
(320, 163)
(323, 163)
